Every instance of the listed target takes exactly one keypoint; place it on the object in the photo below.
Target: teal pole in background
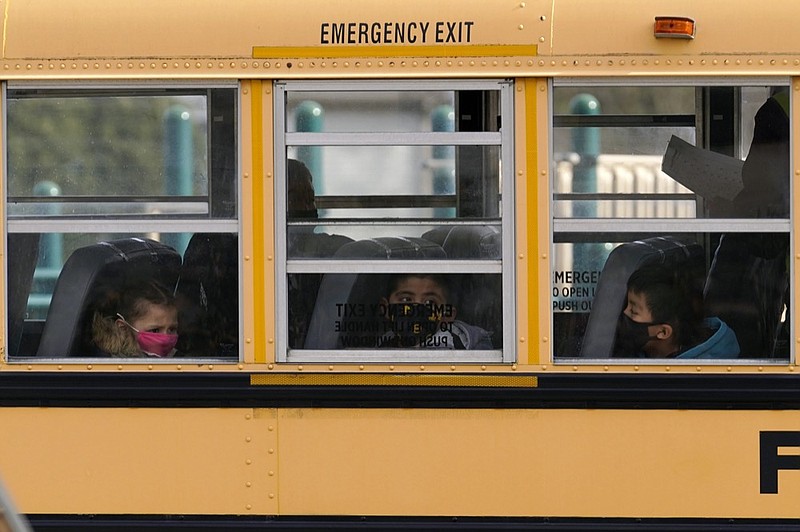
(51, 257)
(586, 144)
(444, 179)
(178, 163)
(310, 118)
(51, 246)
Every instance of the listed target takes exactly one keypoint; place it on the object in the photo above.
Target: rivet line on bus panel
(382, 64)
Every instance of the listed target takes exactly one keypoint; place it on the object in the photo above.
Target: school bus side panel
(529, 462)
(625, 27)
(207, 28)
(138, 460)
(404, 462)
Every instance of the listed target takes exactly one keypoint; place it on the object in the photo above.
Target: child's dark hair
(135, 301)
(439, 279)
(672, 297)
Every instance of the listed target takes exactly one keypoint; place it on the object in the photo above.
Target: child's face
(158, 319)
(418, 290)
(637, 308)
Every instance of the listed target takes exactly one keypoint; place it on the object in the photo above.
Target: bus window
(395, 225)
(672, 200)
(111, 191)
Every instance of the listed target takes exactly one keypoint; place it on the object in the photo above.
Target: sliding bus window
(395, 229)
(122, 221)
(671, 225)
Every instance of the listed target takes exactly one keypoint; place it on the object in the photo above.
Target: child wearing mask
(663, 319)
(420, 315)
(140, 322)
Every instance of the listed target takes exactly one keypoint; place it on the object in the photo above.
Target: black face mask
(413, 323)
(632, 337)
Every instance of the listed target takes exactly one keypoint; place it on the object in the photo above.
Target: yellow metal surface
(522, 169)
(254, 293)
(794, 120)
(3, 292)
(208, 28)
(626, 27)
(363, 38)
(499, 50)
(532, 147)
(139, 461)
(266, 301)
(251, 233)
(401, 462)
(530, 462)
(541, 240)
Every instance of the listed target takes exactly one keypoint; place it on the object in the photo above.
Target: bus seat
(23, 254)
(208, 296)
(611, 291)
(478, 295)
(468, 241)
(746, 288)
(302, 288)
(337, 289)
(90, 274)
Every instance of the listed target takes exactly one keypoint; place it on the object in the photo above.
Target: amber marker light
(674, 28)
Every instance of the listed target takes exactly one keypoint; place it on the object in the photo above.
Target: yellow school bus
(461, 264)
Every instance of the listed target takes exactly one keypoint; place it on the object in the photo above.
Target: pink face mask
(156, 344)
(152, 343)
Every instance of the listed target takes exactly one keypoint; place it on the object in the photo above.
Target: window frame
(623, 226)
(505, 266)
(116, 223)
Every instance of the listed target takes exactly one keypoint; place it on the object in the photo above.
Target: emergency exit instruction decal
(440, 32)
